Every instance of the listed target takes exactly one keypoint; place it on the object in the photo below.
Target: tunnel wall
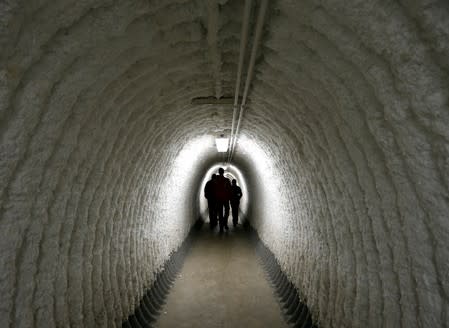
(353, 175)
(99, 163)
(344, 144)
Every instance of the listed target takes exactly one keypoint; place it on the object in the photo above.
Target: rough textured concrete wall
(100, 158)
(355, 96)
(344, 143)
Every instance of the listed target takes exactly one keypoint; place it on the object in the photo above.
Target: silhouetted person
(236, 194)
(222, 195)
(209, 193)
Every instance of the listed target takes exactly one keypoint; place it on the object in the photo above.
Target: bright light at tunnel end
(232, 172)
(222, 144)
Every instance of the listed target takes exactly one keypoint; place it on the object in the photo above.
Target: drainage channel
(295, 309)
(222, 284)
(149, 309)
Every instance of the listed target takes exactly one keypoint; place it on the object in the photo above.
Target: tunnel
(337, 116)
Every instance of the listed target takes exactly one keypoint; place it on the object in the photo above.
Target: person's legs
(216, 218)
(212, 213)
(235, 212)
(221, 216)
(226, 215)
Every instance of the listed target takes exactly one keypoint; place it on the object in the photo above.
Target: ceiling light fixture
(222, 144)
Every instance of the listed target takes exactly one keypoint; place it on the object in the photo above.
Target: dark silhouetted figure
(209, 193)
(222, 195)
(236, 194)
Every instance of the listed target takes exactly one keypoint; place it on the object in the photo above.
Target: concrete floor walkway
(221, 285)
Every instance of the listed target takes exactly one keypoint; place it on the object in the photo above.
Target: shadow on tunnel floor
(203, 222)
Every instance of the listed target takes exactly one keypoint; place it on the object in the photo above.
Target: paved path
(221, 285)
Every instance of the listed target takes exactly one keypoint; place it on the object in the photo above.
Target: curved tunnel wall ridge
(343, 147)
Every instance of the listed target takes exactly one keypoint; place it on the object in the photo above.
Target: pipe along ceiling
(343, 147)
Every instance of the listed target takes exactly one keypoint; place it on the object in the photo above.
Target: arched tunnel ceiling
(344, 143)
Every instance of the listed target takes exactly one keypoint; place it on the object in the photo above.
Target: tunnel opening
(231, 172)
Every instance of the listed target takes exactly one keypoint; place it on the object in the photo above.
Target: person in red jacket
(222, 196)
